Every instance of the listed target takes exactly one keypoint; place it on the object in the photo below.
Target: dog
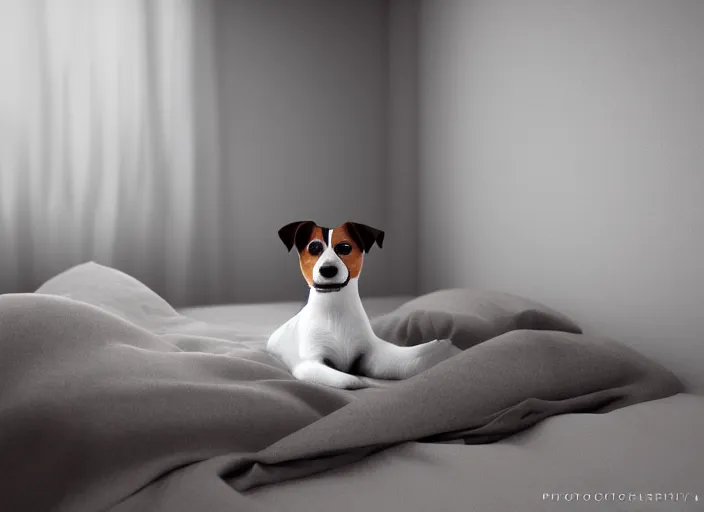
(330, 341)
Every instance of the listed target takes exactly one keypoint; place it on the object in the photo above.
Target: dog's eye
(343, 248)
(315, 247)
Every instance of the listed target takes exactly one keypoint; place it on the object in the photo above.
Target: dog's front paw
(438, 351)
(450, 347)
(318, 373)
(355, 383)
(344, 381)
(442, 346)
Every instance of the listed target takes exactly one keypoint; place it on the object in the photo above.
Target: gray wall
(303, 88)
(562, 159)
(402, 170)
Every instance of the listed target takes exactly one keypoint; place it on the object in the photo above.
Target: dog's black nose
(328, 271)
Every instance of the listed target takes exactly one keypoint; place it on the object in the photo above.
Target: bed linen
(637, 458)
(111, 400)
(649, 456)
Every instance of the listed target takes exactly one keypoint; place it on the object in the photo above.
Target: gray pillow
(467, 317)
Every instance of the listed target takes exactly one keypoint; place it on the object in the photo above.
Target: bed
(648, 456)
(112, 400)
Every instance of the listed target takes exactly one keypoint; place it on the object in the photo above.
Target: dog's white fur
(334, 328)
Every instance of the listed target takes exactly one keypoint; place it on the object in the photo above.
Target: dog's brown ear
(296, 233)
(365, 236)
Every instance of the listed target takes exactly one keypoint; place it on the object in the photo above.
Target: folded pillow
(467, 317)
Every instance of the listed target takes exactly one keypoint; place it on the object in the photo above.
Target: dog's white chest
(337, 335)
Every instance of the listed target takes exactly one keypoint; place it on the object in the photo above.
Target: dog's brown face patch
(308, 259)
(343, 243)
(341, 238)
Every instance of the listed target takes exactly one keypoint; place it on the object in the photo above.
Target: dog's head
(329, 258)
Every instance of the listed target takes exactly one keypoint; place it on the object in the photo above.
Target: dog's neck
(346, 300)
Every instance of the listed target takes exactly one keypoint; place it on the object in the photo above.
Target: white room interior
(531, 332)
(548, 149)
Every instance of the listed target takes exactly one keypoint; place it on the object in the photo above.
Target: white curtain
(108, 143)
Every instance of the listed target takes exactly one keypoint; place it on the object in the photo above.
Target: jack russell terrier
(331, 341)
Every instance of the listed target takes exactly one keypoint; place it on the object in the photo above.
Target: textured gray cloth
(467, 317)
(110, 400)
(618, 459)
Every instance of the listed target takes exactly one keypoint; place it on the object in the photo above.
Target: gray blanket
(112, 401)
